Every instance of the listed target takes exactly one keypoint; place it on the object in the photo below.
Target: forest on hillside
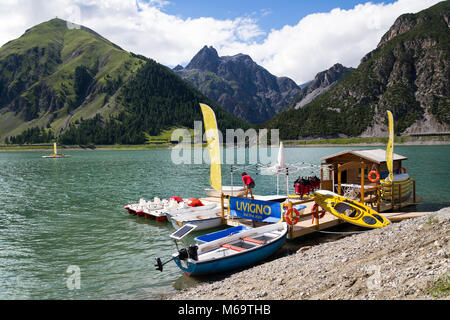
(154, 100)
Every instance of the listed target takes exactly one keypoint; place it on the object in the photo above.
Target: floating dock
(306, 225)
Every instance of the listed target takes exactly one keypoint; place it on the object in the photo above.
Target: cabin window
(366, 174)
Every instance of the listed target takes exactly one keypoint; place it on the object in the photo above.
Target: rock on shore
(401, 261)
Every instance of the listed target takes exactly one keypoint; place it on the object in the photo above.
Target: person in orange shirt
(249, 184)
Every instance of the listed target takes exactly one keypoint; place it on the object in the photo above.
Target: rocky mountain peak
(239, 84)
(321, 83)
(403, 24)
(431, 18)
(207, 59)
(327, 77)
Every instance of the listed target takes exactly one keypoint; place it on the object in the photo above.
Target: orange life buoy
(373, 179)
(315, 212)
(292, 216)
(402, 169)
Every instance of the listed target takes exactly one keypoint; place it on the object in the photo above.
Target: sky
(292, 38)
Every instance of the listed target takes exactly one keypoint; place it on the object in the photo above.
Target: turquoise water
(56, 213)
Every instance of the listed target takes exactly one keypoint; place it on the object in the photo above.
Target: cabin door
(343, 176)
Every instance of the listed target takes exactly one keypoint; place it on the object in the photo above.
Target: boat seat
(235, 248)
(344, 208)
(272, 234)
(253, 240)
(203, 217)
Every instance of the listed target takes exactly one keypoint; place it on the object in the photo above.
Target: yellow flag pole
(212, 138)
(390, 147)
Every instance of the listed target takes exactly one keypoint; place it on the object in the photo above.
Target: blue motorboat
(233, 251)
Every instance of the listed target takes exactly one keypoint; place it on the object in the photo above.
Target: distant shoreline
(362, 144)
(350, 142)
(62, 149)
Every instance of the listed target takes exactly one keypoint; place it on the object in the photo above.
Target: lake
(57, 214)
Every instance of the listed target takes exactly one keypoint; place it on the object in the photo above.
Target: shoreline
(405, 260)
(299, 144)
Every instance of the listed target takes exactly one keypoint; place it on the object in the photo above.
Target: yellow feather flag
(212, 138)
(390, 147)
(54, 147)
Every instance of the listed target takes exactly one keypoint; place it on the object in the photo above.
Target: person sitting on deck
(249, 184)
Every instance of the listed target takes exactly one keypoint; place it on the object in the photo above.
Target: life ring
(402, 169)
(293, 214)
(373, 179)
(315, 212)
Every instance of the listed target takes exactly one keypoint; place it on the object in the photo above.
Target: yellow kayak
(349, 210)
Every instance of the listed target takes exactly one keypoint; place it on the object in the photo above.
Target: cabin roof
(373, 155)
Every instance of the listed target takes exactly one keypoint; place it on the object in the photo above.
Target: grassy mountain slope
(38, 76)
(69, 80)
(154, 99)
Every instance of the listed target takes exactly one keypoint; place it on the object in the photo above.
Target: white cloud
(320, 40)
(135, 25)
(300, 51)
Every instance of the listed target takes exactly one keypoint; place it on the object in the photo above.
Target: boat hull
(130, 211)
(56, 157)
(161, 219)
(226, 190)
(243, 259)
(202, 224)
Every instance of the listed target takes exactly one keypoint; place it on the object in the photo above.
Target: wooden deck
(384, 207)
(305, 225)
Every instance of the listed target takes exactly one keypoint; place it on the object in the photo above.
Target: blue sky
(296, 39)
(269, 13)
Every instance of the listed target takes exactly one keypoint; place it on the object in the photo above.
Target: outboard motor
(192, 252)
(183, 254)
(159, 264)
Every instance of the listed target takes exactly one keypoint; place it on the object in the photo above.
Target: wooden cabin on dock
(347, 173)
(373, 159)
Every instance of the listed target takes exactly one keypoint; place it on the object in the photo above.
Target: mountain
(237, 83)
(66, 79)
(321, 84)
(57, 72)
(408, 73)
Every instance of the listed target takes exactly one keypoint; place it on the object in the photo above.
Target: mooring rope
(343, 233)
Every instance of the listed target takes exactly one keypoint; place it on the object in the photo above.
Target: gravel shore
(405, 260)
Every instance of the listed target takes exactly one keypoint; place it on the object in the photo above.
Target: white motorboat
(203, 219)
(185, 209)
(226, 190)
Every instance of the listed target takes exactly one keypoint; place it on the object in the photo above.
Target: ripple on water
(60, 212)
